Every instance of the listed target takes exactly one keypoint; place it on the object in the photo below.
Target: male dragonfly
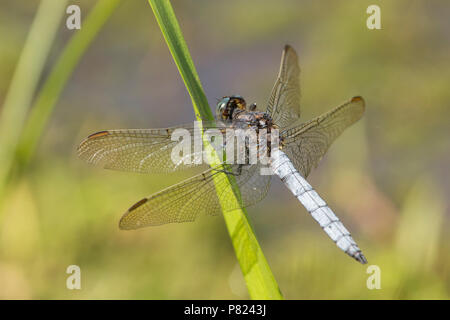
(301, 146)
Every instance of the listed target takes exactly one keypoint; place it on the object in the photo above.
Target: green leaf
(260, 281)
(60, 74)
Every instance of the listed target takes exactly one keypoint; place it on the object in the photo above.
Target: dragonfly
(301, 147)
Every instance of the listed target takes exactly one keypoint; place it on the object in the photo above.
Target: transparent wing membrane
(140, 150)
(306, 144)
(137, 150)
(197, 196)
(284, 101)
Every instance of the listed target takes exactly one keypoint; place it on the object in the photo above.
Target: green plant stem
(260, 281)
(24, 81)
(60, 74)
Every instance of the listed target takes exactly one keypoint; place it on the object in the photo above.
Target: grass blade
(60, 74)
(24, 81)
(260, 281)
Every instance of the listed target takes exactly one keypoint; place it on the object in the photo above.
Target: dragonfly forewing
(284, 100)
(147, 150)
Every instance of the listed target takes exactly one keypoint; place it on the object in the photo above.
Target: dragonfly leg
(238, 173)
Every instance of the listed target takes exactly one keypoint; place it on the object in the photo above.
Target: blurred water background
(387, 177)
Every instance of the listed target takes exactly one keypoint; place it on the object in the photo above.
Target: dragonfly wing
(141, 150)
(199, 195)
(306, 144)
(284, 101)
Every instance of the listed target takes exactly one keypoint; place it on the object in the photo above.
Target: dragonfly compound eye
(222, 105)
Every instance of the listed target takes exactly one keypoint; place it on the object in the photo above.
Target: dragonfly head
(227, 105)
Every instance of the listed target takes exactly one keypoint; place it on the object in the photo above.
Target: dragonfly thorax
(253, 119)
(233, 110)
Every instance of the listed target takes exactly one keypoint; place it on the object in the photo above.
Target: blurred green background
(387, 177)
